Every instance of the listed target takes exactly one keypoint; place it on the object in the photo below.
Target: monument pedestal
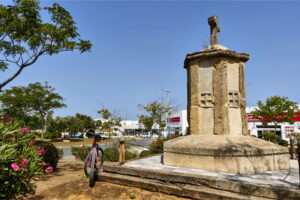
(224, 153)
(217, 117)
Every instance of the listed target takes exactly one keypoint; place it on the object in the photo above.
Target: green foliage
(112, 121)
(283, 143)
(276, 109)
(147, 121)
(81, 152)
(157, 146)
(296, 136)
(51, 156)
(49, 135)
(16, 147)
(31, 101)
(111, 154)
(132, 196)
(130, 155)
(145, 153)
(156, 112)
(72, 124)
(24, 37)
(273, 137)
(87, 121)
(60, 153)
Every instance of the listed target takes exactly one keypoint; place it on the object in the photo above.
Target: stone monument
(217, 118)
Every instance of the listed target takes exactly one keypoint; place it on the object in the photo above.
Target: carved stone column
(217, 118)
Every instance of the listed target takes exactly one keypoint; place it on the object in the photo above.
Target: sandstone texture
(219, 139)
(228, 154)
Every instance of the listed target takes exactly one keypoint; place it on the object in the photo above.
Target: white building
(177, 123)
(284, 130)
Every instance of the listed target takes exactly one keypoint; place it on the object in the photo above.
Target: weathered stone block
(228, 154)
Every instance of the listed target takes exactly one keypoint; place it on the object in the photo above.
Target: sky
(139, 49)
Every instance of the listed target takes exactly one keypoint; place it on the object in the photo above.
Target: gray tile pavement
(288, 178)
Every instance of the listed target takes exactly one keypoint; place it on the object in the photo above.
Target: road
(139, 142)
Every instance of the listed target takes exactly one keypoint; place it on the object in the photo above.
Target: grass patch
(82, 141)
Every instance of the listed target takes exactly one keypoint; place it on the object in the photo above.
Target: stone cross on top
(214, 29)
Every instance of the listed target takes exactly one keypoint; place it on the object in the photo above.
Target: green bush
(145, 153)
(271, 136)
(130, 155)
(81, 152)
(60, 153)
(157, 146)
(19, 162)
(283, 143)
(51, 156)
(49, 135)
(111, 154)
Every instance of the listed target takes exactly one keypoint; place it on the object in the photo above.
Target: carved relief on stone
(233, 99)
(206, 100)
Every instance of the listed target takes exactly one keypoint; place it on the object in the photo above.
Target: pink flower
(24, 130)
(25, 170)
(25, 162)
(41, 151)
(49, 169)
(15, 166)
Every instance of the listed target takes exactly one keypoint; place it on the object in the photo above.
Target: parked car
(154, 136)
(104, 136)
(146, 135)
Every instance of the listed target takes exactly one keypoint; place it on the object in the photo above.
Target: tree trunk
(43, 118)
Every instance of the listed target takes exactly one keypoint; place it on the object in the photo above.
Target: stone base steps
(182, 190)
(194, 186)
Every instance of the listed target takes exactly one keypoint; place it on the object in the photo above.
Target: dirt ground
(69, 182)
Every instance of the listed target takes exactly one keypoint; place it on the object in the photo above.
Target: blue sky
(139, 48)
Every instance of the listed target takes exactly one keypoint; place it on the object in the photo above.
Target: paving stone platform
(287, 178)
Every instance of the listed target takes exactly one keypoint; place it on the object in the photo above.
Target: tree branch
(11, 78)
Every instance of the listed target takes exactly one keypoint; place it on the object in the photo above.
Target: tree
(24, 37)
(55, 126)
(276, 110)
(111, 120)
(35, 99)
(146, 121)
(74, 125)
(157, 112)
(87, 122)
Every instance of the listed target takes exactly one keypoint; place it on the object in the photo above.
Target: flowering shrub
(157, 146)
(81, 152)
(48, 152)
(19, 160)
